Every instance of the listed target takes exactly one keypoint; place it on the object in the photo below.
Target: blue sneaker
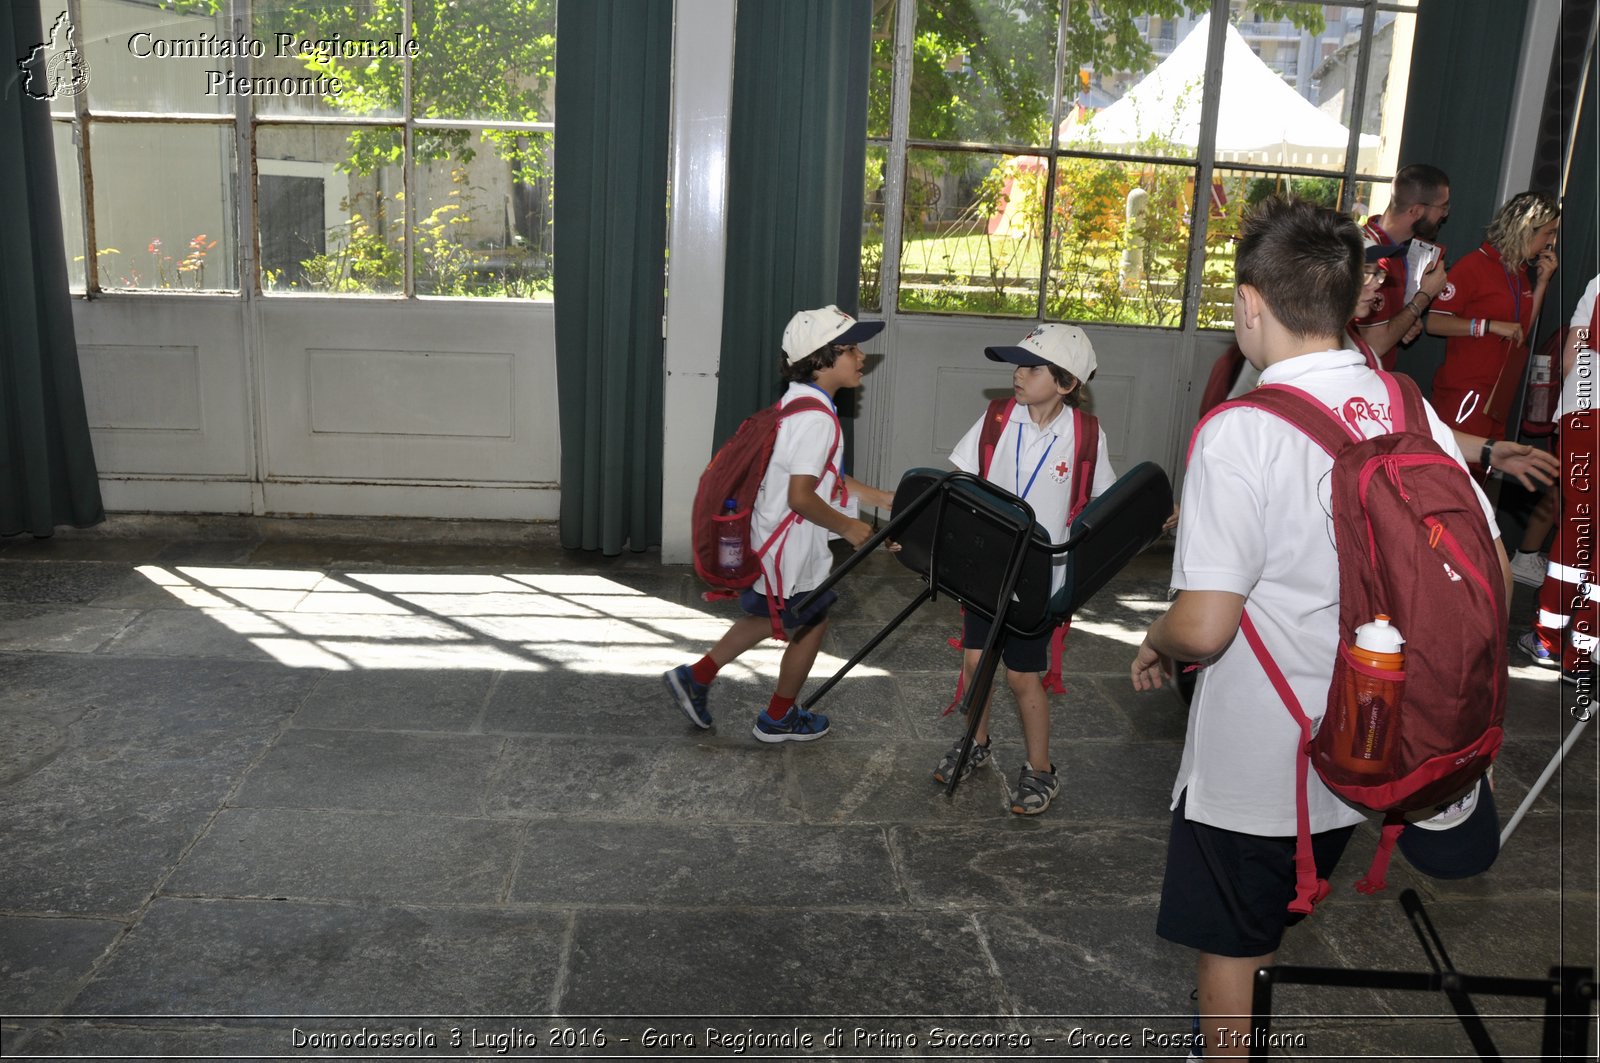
(797, 725)
(688, 695)
(1536, 650)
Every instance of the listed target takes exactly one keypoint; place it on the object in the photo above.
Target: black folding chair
(1568, 993)
(979, 544)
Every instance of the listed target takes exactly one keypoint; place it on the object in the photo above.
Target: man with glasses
(1418, 205)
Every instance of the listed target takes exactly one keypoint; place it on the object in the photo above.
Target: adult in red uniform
(1566, 629)
(1419, 203)
(1485, 311)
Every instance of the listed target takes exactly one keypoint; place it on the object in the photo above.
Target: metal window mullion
(1369, 19)
(1210, 106)
(1050, 161)
(894, 177)
(408, 162)
(80, 126)
(246, 221)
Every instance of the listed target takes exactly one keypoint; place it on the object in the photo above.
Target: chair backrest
(1111, 530)
(978, 522)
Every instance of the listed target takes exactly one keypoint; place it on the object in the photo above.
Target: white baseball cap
(811, 330)
(1053, 344)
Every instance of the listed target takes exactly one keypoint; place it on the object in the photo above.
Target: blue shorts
(754, 602)
(1019, 655)
(1228, 893)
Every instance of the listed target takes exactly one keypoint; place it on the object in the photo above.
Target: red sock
(779, 707)
(704, 670)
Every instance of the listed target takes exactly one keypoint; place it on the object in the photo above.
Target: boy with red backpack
(1259, 583)
(1042, 447)
(803, 497)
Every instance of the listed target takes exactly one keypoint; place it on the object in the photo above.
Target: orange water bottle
(1366, 724)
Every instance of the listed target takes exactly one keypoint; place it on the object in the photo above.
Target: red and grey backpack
(1413, 544)
(1086, 454)
(735, 472)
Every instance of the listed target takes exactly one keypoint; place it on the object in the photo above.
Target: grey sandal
(1035, 790)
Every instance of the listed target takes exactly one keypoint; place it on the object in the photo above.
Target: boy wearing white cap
(1034, 458)
(803, 497)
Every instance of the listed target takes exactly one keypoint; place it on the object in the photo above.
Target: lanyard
(1405, 260)
(1016, 469)
(1514, 282)
(825, 395)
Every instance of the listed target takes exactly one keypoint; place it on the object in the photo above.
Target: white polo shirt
(1256, 521)
(1035, 463)
(1578, 388)
(803, 448)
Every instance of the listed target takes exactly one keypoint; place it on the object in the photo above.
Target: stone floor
(266, 794)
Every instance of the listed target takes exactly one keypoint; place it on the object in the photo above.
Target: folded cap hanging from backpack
(1461, 840)
(811, 330)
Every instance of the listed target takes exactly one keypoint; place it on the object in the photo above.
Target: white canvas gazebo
(1261, 120)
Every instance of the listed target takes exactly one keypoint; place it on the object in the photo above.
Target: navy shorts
(754, 602)
(1019, 655)
(1228, 893)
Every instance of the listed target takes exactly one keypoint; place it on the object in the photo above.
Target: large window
(366, 147)
(1068, 160)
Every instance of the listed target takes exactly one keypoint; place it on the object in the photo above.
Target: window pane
(1384, 104)
(145, 57)
(328, 59)
(1134, 80)
(872, 229)
(486, 60)
(57, 69)
(1119, 242)
(1272, 112)
(330, 217)
(163, 205)
(71, 204)
(984, 71)
(1232, 191)
(880, 83)
(483, 222)
(971, 233)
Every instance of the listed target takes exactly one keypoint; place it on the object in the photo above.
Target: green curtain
(1458, 123)
(612, 121)
(797, 157)
(47, 469)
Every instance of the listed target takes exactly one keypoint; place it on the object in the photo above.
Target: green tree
(477, 60)
(984, 70)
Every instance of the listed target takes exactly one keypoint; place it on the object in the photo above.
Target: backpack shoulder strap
(995, 420)
(1310, 888)
(1302, 411)
(1086, 446)
(807, 404)
(1406, 410)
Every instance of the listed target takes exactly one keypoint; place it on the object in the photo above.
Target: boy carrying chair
(802, 498)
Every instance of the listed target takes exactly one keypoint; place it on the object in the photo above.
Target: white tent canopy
(1261, 119)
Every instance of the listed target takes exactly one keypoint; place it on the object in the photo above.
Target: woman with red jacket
(1486, 310)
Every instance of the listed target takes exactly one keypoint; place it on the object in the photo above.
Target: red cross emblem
(1061, 470)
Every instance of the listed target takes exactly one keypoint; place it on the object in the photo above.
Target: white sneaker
(1529, 569)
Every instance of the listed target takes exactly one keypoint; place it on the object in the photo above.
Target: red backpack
(1412, 544)
(1086, 454)
(735, 472)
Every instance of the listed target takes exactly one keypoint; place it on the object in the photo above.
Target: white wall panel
(166, 385)
(411, 393)
(425, 392)
(142, 388)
